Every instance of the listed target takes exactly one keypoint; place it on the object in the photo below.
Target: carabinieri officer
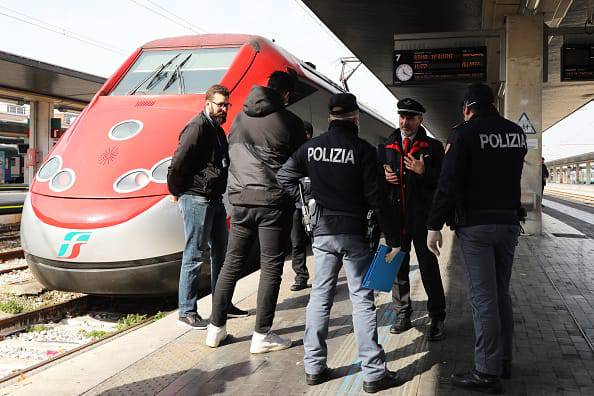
(479, 187)
(344, 183)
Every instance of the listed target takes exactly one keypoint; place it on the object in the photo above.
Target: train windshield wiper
(177, 76)
(152, 77)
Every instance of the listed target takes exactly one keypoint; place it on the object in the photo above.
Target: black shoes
(479, 382)
(299, 286)
(506, 369)
(234, 312)
(402, 324)
(193, 321)
(437, 330)
(390, 380)
(316, 379)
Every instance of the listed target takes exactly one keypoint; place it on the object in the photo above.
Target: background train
(98, 218)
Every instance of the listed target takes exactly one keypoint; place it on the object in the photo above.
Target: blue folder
(380, 275)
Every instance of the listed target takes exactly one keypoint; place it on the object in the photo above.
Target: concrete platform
(585, 189)
(553, 297)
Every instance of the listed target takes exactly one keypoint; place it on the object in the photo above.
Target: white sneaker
(215, 335)
(262, 343)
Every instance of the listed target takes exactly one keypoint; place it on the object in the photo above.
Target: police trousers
(488, 252)
(352, 251)
(299, 241)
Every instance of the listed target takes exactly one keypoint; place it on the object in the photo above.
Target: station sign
(441, 64)
(56, 128)
(577, 62)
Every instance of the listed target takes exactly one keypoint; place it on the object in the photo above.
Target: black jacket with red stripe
(413, 196)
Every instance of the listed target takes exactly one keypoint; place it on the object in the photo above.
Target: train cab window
(174, 72)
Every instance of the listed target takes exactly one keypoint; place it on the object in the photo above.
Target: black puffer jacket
(262, 137)
(413, 197)
(200, 163)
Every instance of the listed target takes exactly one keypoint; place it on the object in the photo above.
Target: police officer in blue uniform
(344, 183)
(479, 190)
(410, 165)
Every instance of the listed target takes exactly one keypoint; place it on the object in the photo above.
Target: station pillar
(39, 137)
(588, 173)
(523, 95)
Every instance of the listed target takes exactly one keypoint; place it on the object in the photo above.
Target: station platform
(584, 189)
(553, 299)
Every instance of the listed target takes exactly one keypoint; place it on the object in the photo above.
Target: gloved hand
(391, 254)
(434, 242)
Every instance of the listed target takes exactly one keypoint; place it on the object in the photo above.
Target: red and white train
(98, 218)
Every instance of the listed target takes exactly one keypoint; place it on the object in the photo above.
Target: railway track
(11, 254)
(8, 255)
(78, 308)
(571, 196)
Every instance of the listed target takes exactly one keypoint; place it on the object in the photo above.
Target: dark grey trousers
(488, 252)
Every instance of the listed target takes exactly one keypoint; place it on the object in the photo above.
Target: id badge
(225, 162)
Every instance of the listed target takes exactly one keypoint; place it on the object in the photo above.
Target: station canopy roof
(368, 29)
(26, 79)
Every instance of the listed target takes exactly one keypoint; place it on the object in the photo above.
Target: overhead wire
(189, 26)
(59, 30)
(176, 16)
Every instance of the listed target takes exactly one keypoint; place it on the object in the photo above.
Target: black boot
(390, 380)
(477, 381)
(437, 330)
(299, 285)
(316, 379)
(402, 324)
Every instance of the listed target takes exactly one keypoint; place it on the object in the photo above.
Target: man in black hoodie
(197, 179)
(262, 138)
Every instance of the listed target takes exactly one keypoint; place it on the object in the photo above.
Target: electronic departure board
(442, 64)
(577, 62)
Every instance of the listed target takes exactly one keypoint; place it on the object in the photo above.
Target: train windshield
(174, 72)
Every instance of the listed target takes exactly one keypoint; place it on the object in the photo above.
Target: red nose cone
(89, 213)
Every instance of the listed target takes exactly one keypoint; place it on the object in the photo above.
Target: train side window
(302, 90)
(199, 69)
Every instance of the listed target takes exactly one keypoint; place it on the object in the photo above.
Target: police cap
(478, 94)
(342, 103)
(410, 106)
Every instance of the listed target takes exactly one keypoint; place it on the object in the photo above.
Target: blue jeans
(205, 226)
(352, 251)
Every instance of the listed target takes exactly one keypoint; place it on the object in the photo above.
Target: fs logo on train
(72, 244)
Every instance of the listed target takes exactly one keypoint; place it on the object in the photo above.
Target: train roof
(203, 40)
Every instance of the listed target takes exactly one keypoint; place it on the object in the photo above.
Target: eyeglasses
(222, 104)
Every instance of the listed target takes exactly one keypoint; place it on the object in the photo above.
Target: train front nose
(103, 246)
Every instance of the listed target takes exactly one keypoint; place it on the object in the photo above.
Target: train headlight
(132, 181)
(49, 169)
(62, 180)
(159, 170)
(125, 130)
